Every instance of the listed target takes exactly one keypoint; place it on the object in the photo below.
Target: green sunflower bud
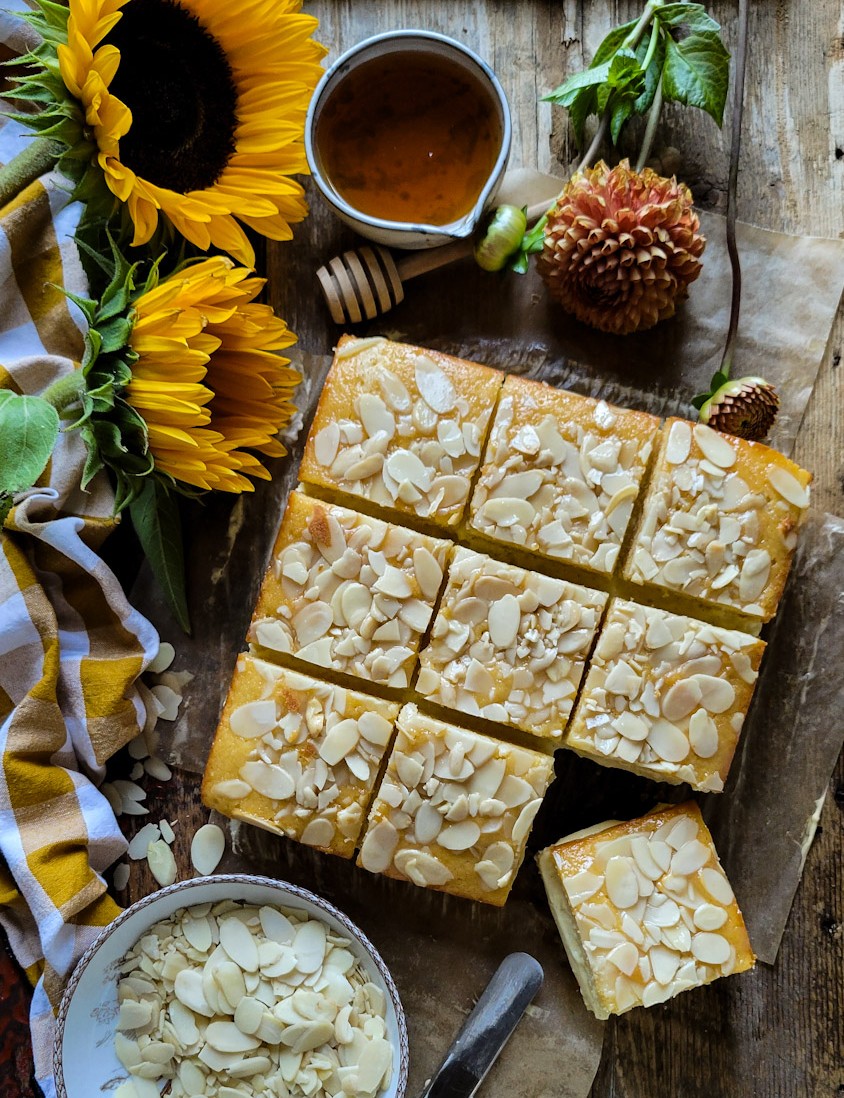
(746, 407)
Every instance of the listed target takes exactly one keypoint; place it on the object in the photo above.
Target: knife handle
(488, 1028)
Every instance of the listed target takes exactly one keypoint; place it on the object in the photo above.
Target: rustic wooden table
(778, 1032)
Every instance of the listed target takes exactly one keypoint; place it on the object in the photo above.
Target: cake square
(665, 696)
(297, 756)
(644, 909)
(509, 645)
(454, 810)
(401, 427)
(348, 592)
(719, 521)
(561, 474)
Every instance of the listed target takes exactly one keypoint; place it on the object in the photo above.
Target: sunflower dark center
(177, 82)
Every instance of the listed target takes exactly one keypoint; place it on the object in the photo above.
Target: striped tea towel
(71, 646)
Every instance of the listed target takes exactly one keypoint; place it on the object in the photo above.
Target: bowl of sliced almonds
(231, 987)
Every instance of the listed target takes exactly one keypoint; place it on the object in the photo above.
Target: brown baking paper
(442, 950)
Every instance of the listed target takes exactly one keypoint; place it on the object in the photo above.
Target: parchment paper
(791, 289)
(442, 950)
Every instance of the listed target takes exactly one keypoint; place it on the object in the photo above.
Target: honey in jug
(409, 137)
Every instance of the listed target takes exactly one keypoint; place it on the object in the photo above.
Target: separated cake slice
(348, 592)
(561, 474)
(454, 810)
(644, 909)
(401, 427)
(719, 522)
(509, 645)
(297, 756)
(665, 696)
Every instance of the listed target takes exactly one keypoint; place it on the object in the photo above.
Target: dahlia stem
(37, 157)
(732, 187)
(630, 42)
(600, 134)
(650, 128)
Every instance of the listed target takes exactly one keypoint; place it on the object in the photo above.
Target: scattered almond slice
(206, 848)
(139, 845)
(161, 862)
(166, 831)
(169, 701)
(120, 877)
(158, 769)
(137, 771)
(113, 798)
(137, 748)
(165, 656)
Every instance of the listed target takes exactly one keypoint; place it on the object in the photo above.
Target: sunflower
(206, 381)
(195, 108)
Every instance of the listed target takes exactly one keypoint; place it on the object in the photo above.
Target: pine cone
(746, 407)
(621, 247)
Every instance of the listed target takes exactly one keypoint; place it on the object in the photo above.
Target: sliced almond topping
(621, 883)
(504, 620)
(428, 572)
(375, 416)
(326, 443)
(715, 446)
(788, 486)
(434, 387)
(679, 443)
(206, 848)
(711, 949)
(459, 836)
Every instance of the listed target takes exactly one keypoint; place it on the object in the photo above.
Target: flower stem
(650, 128)
(65, 392)
(732, 186)
(39, 156)
(630, 42)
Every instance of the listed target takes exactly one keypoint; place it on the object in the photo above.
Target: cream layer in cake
(644, 909)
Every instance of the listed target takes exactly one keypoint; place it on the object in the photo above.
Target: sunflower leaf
(155, 516)
(29, 427)
(115, 334)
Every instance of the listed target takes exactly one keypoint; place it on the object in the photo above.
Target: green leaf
(567, 92)
(718, 379)
(652, 74)
(701, 399)
(612, 43)
(155, 516)
(585, 104)
(625, 80)
(29, 427)
(697, 72)
(692, 16)
(621, 111)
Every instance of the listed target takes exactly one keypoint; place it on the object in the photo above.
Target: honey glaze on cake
(647, 910)
(454, 809)
(561, 474)
(666, 696)
(348, 592)
(401, 427)
(720, 520)
(296, 755)
(509, 645)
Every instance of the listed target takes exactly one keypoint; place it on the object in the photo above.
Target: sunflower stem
(650, 128)
(64, 393)
(732, 187)
(39, 156)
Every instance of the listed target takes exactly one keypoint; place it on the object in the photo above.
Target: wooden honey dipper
(367, 282)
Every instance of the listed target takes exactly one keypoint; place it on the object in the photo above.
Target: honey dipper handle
(420, 263)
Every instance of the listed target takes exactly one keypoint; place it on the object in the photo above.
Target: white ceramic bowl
(84, 1060)
(405, 234)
